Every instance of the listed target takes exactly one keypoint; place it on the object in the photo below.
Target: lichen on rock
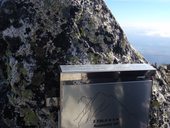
(30, 117)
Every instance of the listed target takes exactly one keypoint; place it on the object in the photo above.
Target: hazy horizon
(146, 25)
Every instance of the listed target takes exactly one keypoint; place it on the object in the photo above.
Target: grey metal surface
(106, 105)
(105, 68)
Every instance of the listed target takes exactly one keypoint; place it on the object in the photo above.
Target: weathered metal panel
(105, 105)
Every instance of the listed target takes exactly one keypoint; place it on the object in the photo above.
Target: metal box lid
(106, 72)
(105, 68)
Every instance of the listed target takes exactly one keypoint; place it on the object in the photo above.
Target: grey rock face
(38, 35)
(160, 104)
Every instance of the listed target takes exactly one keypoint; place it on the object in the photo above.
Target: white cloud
(140, 0)
(161, 29)
(160, 33)
(160, 1)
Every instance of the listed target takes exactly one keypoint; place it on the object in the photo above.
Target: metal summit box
(105, 96)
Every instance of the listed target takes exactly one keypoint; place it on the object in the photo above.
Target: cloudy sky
(147, 26)
(151, 17)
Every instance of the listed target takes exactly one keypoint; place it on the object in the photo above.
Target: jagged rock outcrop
(160, 104)
(38, 35)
